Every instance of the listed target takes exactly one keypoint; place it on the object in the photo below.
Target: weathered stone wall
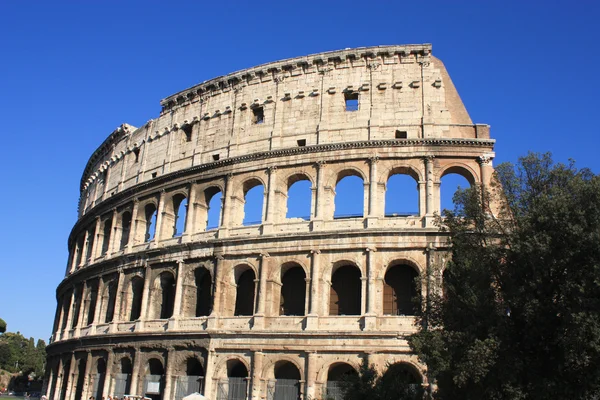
(284, 298)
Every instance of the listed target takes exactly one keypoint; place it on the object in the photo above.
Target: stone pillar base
(212, 322)
(222, 233)
(316, 225)
(266, 228)
(173, 324)
(371, 222)
(258, 322)
(312, 322)
(369, 322)
(428, 221)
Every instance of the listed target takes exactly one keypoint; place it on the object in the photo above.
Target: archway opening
(92, 301)
(287, 381)
(299, 198)
(80, 378)
(400, 291)
(402, 381)
(214, 201)
(125, 229)
(253, 203)
(111, 292)
(349, 197)
(106, 233)
(193, 380)
(180, 206)
(244, 299)
(167, 295)
(236, 385)
(150, 220)
(401, 196)
(293, 292)
(99, 379)
(122, 379)
(135, 292)
(154, 380)
(337, 377)
(453, 180)
(203, 282)
(345, 293)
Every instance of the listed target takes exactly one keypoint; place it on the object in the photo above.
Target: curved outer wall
(142, 302)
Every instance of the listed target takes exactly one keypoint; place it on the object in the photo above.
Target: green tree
(2, 326)
(519, 313)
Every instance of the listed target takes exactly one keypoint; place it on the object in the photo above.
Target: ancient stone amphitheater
(170, 288)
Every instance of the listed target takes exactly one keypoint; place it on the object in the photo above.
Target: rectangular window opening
(301, 142)
(154, 174)
(259, 115)
(187, 130)
(401, 134)
(351, 99)
(216, 157)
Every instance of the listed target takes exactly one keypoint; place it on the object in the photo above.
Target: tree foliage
(18, 354)
(2, 326)
(395, 384)
(519, 314)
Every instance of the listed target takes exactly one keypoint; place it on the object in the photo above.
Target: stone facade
(283, 307)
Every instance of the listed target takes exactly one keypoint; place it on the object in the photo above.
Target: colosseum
(172, 287)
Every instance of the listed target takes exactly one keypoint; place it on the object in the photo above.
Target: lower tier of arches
(223, 368)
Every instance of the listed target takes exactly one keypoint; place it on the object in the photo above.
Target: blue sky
(71, 72)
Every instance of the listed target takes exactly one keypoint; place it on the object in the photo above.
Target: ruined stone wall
(145, 306)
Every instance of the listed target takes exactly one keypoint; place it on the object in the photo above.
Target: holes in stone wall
(214, 200)
(106, 236)
(244, 299)
(301, 142)
(149, 222)
(258, 115)
(351, 100)
(401, 196)
(125, 229)
(253, 203)
(450, 183)
(136, 287)
(345, 293)
(180, 205)
(400, 291)
(401, 134)
(299, 199)
(293, 292)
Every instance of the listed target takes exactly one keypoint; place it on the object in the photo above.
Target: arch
(204, 299)
(163, 295)
(402, 192)
(136, 288)
(402, 169)
(400, 290)
(244, 296)
(99, 378)
(110, 297)
(122, 380)
(92, 301)
(293, 291)
(213, 199)
(349, 194)
(155, 374)
(461, 169)
(77, 300)
(452, 178)
(236, 368)
(254, 196)
(345, 292)
(65, 377)
(402, 380)
(287, 380)
(125, 229)
(299, 197)
(337, 375)
(193, 380)
(149, 220)
(106, 236)
(80, 377)
(180, 208)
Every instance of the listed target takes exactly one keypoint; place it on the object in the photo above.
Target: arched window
(80, 377)
(111, 297)
(150, 215)
(345, 293)
(77, 305)
(180, 205)
(236, 386)
(287, 384)
(244, 299)
(125, 229)
(402, 381)
(89, 246)
(299, 198)
(293, 292)
(78, 251)
(452, 180)
(99, 379)
(349, 197)
(135, 297)
(336, 376)
(214, 200)
(253, 203)
(106, 233)
(192, 382)
(164, 295)
(65, 310)
(154, 377)
(92, 301)
(203, 282)
(400, 291)
(66, 373)
(122, 379)
(401, 196)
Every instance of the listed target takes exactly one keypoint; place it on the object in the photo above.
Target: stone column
(95, 248)
(271, 206)
(109, 373)
(55, 392)
(485, 165)
(139, 325)
(312, 319)
(113, 244)
(190, 216)
(99, 305)
(257, 364)
(88, 376)
(317, 222)
(82, 307)
(373, 212)
(135, 372)
(226, 208)
(117, 315)
(133, 227)
(51, 380)
(168, 374)
(70, 315)
(71, 379)
(160, 213)
(429, 191)
(178, 296)
(84, 249)
(209, 378)
(371, 315)
(311, 374)
(217, 293)
(259, 322)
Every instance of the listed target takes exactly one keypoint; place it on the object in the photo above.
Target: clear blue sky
(71, 72)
